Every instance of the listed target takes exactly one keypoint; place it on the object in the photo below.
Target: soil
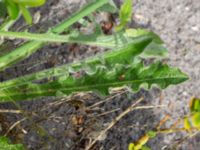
(71, 123)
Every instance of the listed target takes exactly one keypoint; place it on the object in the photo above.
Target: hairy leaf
(30, 47)
(121, 55)
(153, 50)
(109, 7)
(100, 79)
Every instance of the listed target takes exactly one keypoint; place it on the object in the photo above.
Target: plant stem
(110, 41)
(30, 47)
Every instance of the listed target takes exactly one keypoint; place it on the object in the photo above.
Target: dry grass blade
(14, 125)
(108, 112)
(107, 99)
(129, 109)
(11, 111)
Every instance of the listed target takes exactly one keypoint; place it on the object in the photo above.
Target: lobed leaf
(100, 79)
(122, 55)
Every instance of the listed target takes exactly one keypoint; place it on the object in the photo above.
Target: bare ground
(73, 122)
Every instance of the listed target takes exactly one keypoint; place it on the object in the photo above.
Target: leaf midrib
(120, 83)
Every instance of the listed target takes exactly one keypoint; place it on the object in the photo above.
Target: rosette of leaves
(112, 69)
(120, 66)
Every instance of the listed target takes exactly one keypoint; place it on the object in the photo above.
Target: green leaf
(138, 32)
(125, 14)
(153, 50)
(195, 105)
(187, 123)
(5, 145)
(145, 148)
(7, 24)
(131, 146)
(109, 7)
(101, 79)
(29, 48)
(196, 119)
(151, 134)
(121, 55)
(12, 8)
(30, 3)
(26, 14)
(3, 10)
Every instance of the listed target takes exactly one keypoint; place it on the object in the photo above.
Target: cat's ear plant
(121, 66)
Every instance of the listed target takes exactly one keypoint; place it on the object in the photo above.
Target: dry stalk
(11, 111)
(14, 125)
(129, 109)
(107, 99)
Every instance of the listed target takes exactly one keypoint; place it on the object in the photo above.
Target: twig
(56, 103)
(129, 109)
(108, 112)
(14, 125)
(10, 111)
(167, 117)
(149, 107)
(178, 144)
(107, 99)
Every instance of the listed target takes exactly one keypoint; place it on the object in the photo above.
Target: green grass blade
(30, 47)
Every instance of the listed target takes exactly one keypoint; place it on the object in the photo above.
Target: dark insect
(107, 27)
(107, 24)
